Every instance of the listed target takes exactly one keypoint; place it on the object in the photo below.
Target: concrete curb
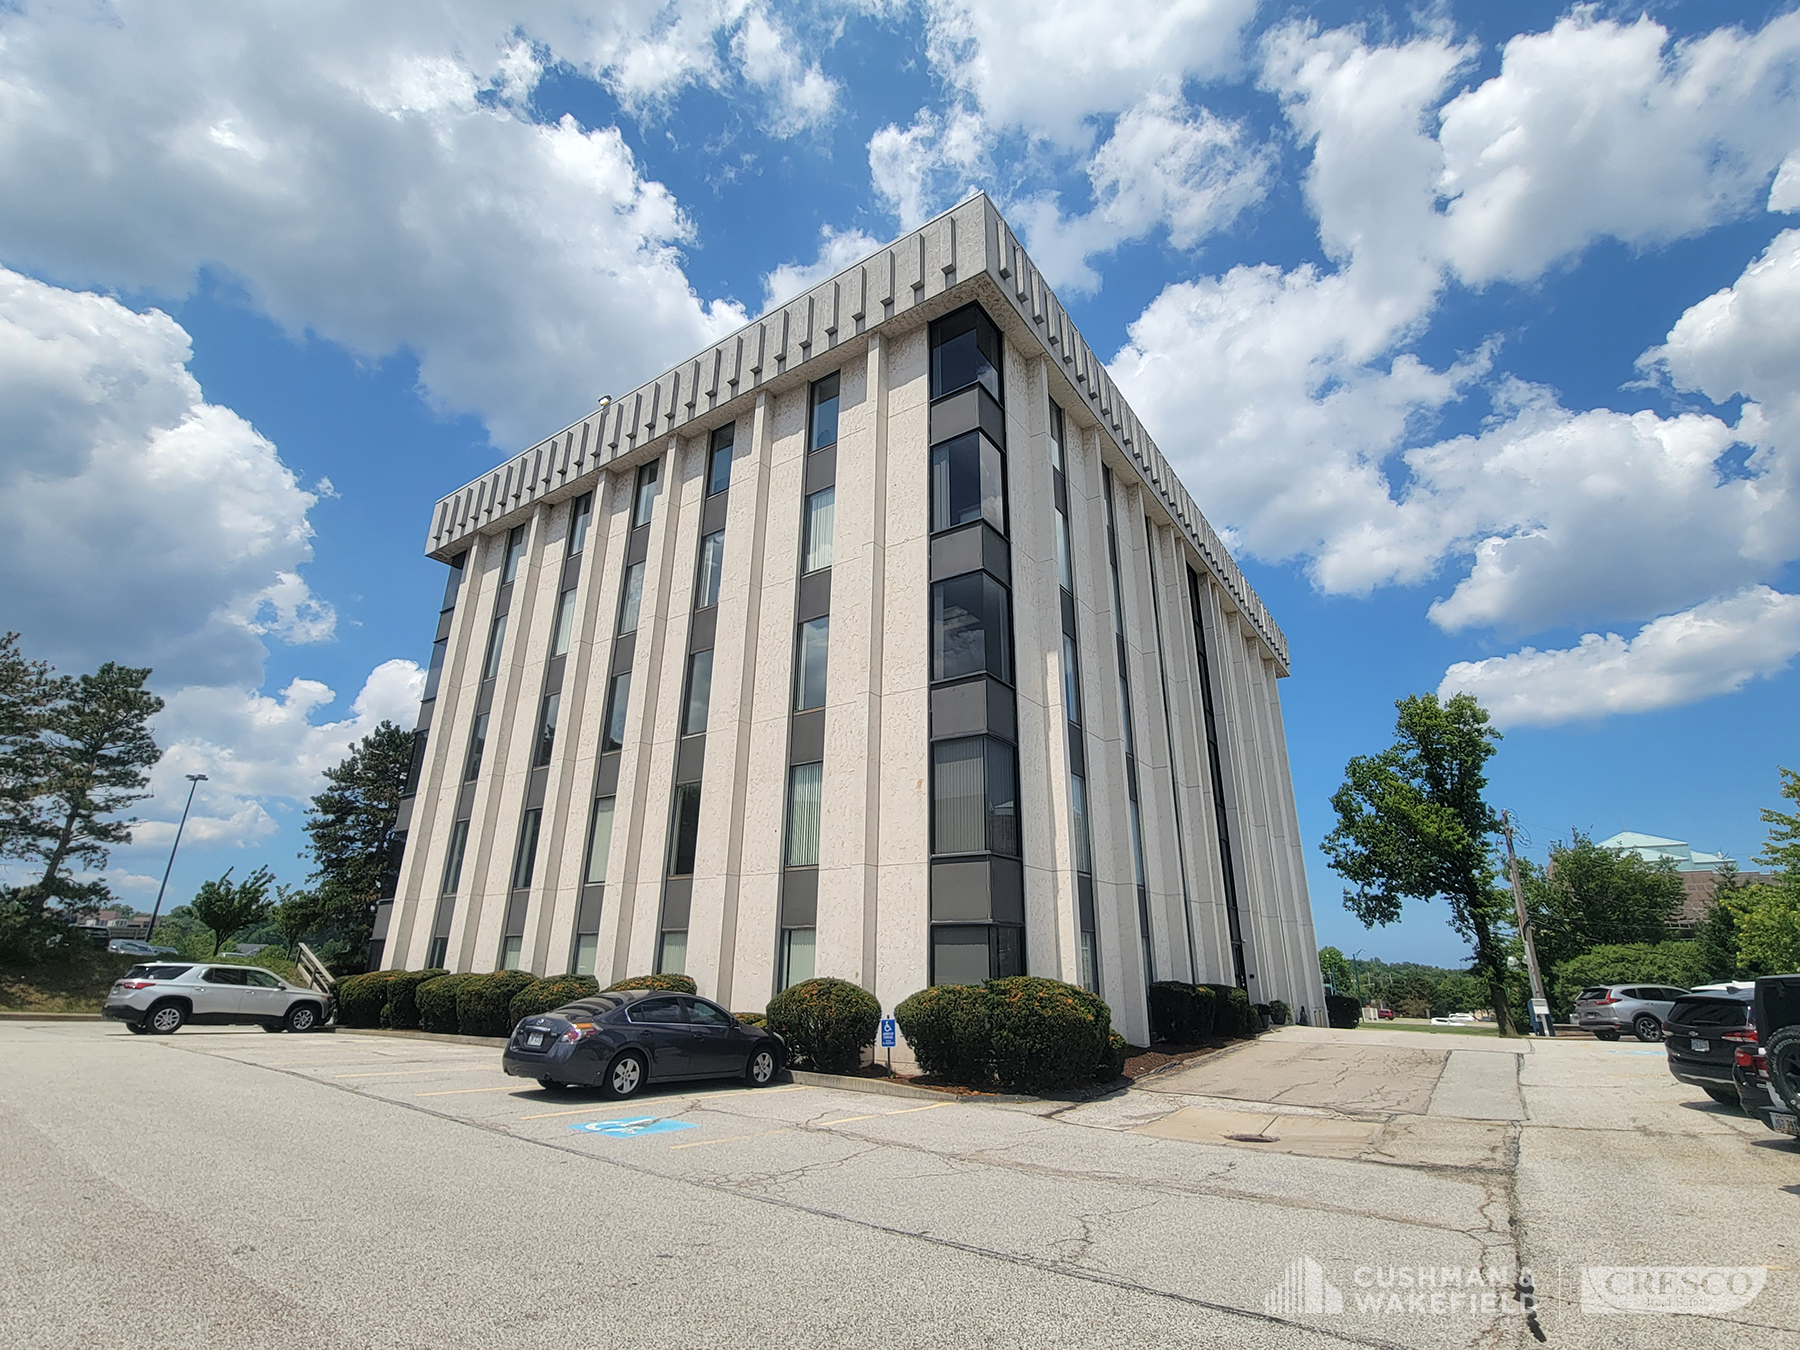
(10, 1016)
(886, 1087)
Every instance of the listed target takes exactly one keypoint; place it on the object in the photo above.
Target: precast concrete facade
(877, 641)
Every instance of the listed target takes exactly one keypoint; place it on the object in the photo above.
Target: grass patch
(1477, 1030)
(77, 984)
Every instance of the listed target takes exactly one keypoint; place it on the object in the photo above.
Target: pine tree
(26, 693)
(97, 751)
(351, 826)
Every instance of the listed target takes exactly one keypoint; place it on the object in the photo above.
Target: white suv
(159, 997)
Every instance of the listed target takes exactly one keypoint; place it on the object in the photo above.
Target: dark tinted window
(718, 468)
(1590, 994)
(706, 1015)
(587, 1009)
(1710, 1012)
(156, 972)
(261, 979)
(968, 482)
(824, 413)
(965, 350)
(657, 1010)
(970, 628)
(223, 975)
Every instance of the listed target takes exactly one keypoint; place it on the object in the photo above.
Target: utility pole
(1531, 961)
(194, 781)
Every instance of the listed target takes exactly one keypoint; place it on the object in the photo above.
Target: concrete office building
(878, 640)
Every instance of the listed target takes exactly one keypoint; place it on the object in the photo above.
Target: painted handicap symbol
(632, 1127)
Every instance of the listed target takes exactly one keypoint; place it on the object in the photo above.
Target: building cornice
(967, 250)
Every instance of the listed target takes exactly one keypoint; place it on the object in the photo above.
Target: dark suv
(1702, 1034)
(1768, 1076)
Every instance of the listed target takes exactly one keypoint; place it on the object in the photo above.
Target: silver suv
(1607, 1010)
(160, 997)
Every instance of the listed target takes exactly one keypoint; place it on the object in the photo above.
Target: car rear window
(588, 1007)
(156, 972)
(1589, 995)
(1710, 1012)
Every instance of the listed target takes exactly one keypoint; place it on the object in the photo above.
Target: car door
(715, 1045)
(218, 993)
(264, 998)
(660, 1026)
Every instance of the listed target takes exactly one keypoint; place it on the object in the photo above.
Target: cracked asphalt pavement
(225, 1188)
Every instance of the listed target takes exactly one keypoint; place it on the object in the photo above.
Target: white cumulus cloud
(838, 249)
(1714, 648)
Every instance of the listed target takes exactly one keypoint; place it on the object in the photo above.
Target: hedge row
(1342, 1011)
(471, 1005)
(1023, 1033)
(1186, 1013)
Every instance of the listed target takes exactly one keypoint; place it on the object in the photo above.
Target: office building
(877, 640)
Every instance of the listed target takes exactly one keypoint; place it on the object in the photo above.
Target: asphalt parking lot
(224, 1187)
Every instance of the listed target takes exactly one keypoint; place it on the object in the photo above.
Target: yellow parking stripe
(733, 1138)
(907, 1111)
(463, 1092)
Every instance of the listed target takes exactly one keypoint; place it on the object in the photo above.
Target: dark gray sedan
(620, 1041)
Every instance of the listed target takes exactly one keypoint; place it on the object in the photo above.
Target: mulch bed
(1140, 1063)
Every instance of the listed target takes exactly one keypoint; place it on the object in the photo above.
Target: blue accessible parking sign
(887, 1032)
(631, 1129)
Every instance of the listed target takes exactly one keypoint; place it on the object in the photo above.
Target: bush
(401, 1011)
(1180, 1013)
(1045, 1035)
(359, 998)
(549, 994)
(1280, 1013)
(752, 1019)
(1113, 1066)
(437, 1002)
(825, 1023)
(946, 1026)
(1628, 963)
(1233, 1015)
(484, 1004)
(669, 984)
(1343, 1011)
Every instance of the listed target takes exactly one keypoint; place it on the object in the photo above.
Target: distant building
(1699, 871)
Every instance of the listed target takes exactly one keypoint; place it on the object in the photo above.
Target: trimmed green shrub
(483, 1005)
(946, 1026)
(1280, 1013)
(401, 1011)
(359, 998)
(1248, 1020)
(752, 1019)
(1342, 1011)
(549, 994)
(1233, 1014)
(1045, 1035)
(670, 984)
(1180, 1013)
(825, 1023)
(437, 1002)
(1113, 1066)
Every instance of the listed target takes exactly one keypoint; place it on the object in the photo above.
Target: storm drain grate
(1253, 1138)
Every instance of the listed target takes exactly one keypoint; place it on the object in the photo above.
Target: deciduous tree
(229, 907)
(1413, 824)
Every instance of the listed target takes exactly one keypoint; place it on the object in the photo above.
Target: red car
(1385, 1014)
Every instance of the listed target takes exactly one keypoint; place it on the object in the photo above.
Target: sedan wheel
(1647, 1028)
(302, 1017)
(166, 1018)
(626, 1075)
(761, 1069)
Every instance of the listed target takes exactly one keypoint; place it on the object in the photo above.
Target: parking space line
(706, 1097)
(733, 1138)
(905, 1111)
(408, 1073)
(463, 1092)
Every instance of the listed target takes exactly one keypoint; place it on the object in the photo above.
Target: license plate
(1699, 1044)
(1785, 1123)
(535, 1039)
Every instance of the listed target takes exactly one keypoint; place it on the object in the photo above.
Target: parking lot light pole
(194, 781)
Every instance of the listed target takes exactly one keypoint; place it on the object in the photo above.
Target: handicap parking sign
(632, 1128)
(887, 1032)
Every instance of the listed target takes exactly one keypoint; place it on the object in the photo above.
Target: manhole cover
(1253, 1138)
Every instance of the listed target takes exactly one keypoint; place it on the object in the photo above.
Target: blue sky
(1476, 328)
